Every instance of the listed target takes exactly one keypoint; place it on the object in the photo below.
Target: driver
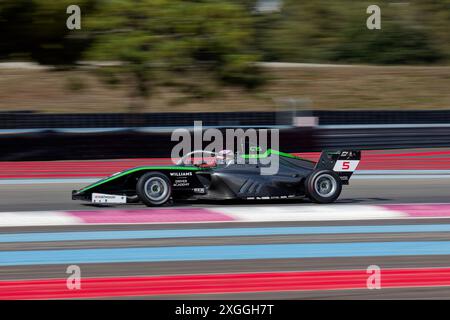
(224, 157)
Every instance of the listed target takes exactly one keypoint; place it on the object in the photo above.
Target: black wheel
(154, 189)
(323, 186)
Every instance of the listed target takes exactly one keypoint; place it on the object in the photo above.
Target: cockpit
(208, 159)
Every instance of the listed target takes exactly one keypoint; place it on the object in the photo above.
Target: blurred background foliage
(148, 41)
(36, 30)
(198, 47)
(226, 35)
(417, 32)
(165, 39)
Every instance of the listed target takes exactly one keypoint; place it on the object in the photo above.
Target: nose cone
(77, 195)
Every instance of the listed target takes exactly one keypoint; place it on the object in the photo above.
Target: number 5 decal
(345, 165)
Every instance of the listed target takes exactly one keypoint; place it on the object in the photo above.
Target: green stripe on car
(267, 153)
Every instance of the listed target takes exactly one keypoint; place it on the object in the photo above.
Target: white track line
(310, 213)
(266, 213)
(37, 218)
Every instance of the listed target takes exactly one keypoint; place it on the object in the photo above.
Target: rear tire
(323, 186)
(154, 189)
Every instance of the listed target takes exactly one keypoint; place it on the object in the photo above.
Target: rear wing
(343, 162)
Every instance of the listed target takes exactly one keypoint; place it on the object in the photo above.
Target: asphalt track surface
(37, 197)
(379, 190)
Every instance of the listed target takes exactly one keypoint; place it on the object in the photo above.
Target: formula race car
(227, 176)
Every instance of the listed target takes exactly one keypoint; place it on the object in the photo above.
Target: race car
(227, 176)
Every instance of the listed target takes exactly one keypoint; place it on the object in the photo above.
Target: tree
(156, 41)
(335, 31)
(396, 43)
(304, 31)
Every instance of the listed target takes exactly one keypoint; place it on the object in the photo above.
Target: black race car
(227, 176)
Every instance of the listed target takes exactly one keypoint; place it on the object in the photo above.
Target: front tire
(323, 186)
(154, 189)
